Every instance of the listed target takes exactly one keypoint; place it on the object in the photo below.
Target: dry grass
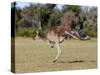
(37, 56)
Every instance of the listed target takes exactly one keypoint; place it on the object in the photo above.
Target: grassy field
(37, 55)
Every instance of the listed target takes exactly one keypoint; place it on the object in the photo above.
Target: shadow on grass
(75, 61)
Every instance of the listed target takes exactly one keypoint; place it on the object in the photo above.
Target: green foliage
(26, 32)
(90, 33)
(75, 9)
(55, 18)
(90, 30)
(38, 17)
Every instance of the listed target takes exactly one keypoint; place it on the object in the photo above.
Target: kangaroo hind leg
(59, 52)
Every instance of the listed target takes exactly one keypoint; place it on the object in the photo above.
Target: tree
(75, 9)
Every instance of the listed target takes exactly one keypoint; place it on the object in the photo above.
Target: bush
(26, 32)
(91, 33)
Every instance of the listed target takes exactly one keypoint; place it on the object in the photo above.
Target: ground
(36, 55)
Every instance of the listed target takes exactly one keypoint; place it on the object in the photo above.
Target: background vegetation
(41, 16)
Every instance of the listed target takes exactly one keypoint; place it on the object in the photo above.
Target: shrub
(91, 32)
(26, 32)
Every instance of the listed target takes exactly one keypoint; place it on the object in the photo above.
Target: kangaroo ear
(68, 33)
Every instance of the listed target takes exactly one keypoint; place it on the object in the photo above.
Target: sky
(24, 4)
